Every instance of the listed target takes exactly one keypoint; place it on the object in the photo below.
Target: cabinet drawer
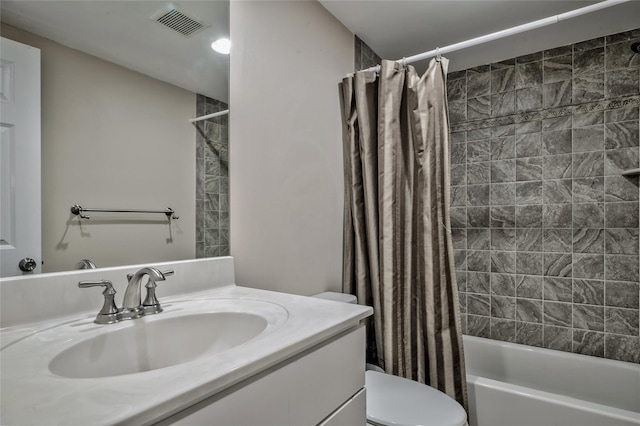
(301, 391)
(352, 412)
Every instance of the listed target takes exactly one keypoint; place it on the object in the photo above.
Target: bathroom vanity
(217, 354)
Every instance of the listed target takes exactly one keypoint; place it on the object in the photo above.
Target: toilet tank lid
(337, 297)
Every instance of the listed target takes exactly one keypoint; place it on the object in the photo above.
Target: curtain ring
(403, 61)
(438, 57)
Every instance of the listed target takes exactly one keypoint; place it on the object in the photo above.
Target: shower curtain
(398, 253)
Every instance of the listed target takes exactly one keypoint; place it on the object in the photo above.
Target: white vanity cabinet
(321, 386)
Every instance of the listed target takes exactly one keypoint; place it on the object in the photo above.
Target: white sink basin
(149, 345)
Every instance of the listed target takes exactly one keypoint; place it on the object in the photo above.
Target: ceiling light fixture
(222, 45)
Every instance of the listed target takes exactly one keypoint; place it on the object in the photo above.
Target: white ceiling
(400, 28)
(121, 32)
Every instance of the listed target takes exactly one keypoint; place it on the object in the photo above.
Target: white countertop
(31, 394)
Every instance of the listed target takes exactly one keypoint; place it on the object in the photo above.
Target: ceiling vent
(178, 21)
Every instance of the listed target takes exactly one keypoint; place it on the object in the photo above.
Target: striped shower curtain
(398, 253)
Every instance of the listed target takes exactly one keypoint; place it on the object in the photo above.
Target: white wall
(112, 138)
(285, 145)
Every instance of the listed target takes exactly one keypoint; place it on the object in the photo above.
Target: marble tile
(528, 216)
(557, 94)
(623, 36)
(619, 160)
(503, 262)
(503, 79)
(531, 57)
(557, 166)
(458, 137)
(588, 62)
(621, 215)
(528, 286)
(621, 114)
(503, 330)
(478, 84)
(621, 241)
(557, 123)
(478, 239)
(588, 138)
(529, 193)
(529, 99)
(478, 326)
(557, 69)
(588, 240)
(478, 134)
(557, 314)
(588, 343)
(529, 263)
(587, 317)
(620, 56)
(588, 215)
(479, 151)
(479, 173)
(503, 217)
(503, 239)
(456, 75)
(456, 89)
(502, 131)
(557, 240)
(458, 174)
(528, 145)
(478, 282)
(503, 284)
(478, 195)
(524, 127)
(503, 104)
(529, 310)
(557, 215)
(588, 190)
(478, 304)
(621, 188)
(528, 169)
(459, 217)
(503, 148)
(557, 264)
(503, 307)
(622, 348)
(557, 142)
(621, 134)
(619, 321)
(557, 289)
(458, 153)
(529, 334)
(590, 292)
(586, 119)
(557, 338)
(622, 294)
(588, 44)
(589, 266)
(588, 88)
(621, 268)
(458, 196)
(503, 171)
(529, 239)
(503, 194)
(557, 191)
(479, 107)
(478, 261)
(558, 51)
(528, 74)
(478, 217)
(621, 83)
(588, 164)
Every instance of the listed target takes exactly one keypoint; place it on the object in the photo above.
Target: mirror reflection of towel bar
(79, 211)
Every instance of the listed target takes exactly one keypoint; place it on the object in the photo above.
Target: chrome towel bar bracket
(79, 211)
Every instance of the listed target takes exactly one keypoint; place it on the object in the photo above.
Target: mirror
(120, 81)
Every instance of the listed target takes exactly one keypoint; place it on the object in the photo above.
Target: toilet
(395, 401)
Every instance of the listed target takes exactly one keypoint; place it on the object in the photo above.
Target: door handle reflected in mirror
(27, 264)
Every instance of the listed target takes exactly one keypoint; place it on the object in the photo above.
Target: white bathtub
(518, 385)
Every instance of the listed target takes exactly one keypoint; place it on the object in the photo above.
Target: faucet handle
(151, 303)
(109, 312)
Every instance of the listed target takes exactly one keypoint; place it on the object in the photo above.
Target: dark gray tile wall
(212, 180)
(365, 57)
(545, 227)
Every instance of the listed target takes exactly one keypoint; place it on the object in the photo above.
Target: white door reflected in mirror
(20, 234)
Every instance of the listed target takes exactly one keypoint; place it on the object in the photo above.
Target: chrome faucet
(132, 304)
(85, 264)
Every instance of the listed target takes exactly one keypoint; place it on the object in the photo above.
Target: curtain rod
(503, 33)
(204, 117)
